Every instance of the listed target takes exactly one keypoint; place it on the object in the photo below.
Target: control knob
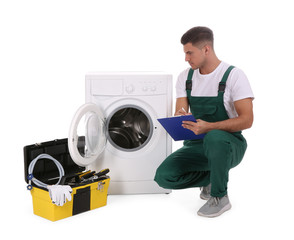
(130, 88)
(153, 88)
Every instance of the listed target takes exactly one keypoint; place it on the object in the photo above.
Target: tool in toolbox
(85, 177)
(96, 176)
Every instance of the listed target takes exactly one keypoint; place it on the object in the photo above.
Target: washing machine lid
(87, 134)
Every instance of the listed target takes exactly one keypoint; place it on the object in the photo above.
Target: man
(220, 98)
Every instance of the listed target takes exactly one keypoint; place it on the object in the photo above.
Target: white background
(48, 46)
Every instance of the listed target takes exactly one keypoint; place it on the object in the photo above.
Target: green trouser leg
(224, 151)
(187, 167)
(199, 163)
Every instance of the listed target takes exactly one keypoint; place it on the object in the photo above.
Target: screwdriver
(102, 172)
(87, 175)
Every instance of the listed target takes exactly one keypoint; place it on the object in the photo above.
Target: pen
(184, 110)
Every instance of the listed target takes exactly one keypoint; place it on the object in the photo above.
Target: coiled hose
(31, 169)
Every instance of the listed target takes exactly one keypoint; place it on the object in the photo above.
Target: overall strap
(189, 82)
(222, 83)
(221, 86)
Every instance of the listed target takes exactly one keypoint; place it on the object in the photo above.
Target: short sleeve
(240, 86)
(181, 85)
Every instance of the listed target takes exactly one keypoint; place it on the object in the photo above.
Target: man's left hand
(197, 127)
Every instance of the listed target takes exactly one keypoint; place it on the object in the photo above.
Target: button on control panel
(130, 88)
(145, 87)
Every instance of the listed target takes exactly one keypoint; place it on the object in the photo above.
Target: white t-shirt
(237, 86)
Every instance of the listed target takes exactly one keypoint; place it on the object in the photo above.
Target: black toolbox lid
(46, 169)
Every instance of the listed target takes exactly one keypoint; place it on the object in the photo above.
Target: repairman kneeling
(220, 98)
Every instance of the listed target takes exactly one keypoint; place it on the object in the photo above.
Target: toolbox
(86, 194)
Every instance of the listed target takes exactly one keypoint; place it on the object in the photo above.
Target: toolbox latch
(101, 186)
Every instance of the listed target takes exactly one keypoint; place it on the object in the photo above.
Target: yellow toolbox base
(84, 198)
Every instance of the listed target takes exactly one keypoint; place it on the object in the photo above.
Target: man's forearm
(232, 124)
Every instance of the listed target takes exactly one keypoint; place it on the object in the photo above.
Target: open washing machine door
(87, 135)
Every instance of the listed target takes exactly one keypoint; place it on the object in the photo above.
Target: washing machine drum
(129, 128)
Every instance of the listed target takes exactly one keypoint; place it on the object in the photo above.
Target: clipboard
(173, 126)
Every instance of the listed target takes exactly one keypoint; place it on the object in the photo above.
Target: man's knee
(168, 173)
(163, 177)
(216, 142)
(215, 137)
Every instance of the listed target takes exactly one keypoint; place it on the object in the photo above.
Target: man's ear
(207, 49)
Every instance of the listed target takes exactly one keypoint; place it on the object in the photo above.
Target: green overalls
(203, 161)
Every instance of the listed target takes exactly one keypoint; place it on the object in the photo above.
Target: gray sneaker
(205, 192)
(215, 206)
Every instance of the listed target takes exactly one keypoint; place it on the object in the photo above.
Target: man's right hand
(181, 112)
(182, 106)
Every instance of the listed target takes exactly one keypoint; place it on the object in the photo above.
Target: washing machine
(117, 128)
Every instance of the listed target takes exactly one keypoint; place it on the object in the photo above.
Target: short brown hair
(197, 35)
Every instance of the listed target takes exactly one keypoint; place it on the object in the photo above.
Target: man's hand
(182, 107)
(197, 127)
(182, 112)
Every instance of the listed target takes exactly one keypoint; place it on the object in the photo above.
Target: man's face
(194, 56)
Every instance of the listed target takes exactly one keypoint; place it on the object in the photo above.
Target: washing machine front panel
(143, 99)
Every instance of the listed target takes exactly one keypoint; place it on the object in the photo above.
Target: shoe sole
(224, 209)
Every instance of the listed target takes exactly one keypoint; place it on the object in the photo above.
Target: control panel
(119, 84)
(145, 87)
